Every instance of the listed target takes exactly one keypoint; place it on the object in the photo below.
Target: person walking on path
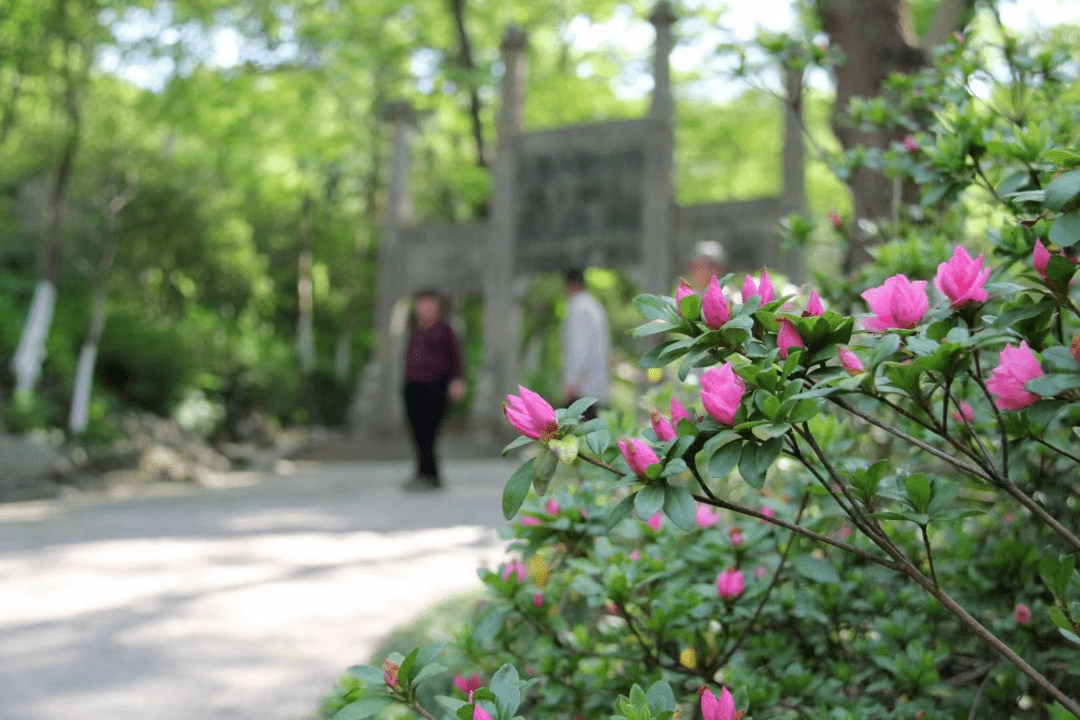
(433, 375)
(586, 344)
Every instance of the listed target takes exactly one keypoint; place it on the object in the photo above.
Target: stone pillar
(658, 228)
(499, 373)
(793, 198)
(377, 405)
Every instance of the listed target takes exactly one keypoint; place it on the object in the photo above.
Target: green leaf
(804, 410)
(428, 671)
(1051, 385)
(590, 426)
(363, 708)
(368, 674)
(649, 501)
(517, 488)
(680, 507)
(543, 470)
(620, 512)
(654, 327)
(675, 467)
(405, 670)
(599, 440)
(1066, 230)
(507, 688)
(1059, 271)
(756, 460)
(430, 651)
(654, 307)
(1058, 358)
(1062, 157)
(884, 349)
(724, 460)
(816, 569)
(578, 407)
(1063, 189)
(1014, 315)
(690, 307)
(516, 443)
(452, 704)
(919, 491)
(660, 697)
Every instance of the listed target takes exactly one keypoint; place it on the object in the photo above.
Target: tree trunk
(305, 330)
(871, 35)
(79, 416)
(30, 353)
(468, 65)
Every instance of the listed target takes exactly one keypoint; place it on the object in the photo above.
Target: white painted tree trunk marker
(30, 353)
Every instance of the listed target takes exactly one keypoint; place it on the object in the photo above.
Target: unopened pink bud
(964, 412)
(706, 516)
(788, 339)
(655, 521)
(684, 290)
(729, 584)
(813, 305)
(538, 600)
(910, 144)
(850, 361)
(1022, 614)
(552, 507)
(837, 221)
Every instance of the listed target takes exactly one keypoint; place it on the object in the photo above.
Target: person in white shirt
(586, 344)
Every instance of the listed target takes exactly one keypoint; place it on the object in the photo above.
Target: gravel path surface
(245, 601)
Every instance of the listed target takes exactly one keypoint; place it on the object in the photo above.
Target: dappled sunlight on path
(238, 603)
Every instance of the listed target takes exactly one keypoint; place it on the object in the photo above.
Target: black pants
(425, 406)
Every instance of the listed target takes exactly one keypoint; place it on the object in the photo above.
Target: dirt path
(244, 601)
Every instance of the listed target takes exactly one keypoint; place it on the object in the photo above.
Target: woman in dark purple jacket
(433, 371)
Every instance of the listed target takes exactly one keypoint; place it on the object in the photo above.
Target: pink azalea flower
(479, 713)
(736, 536)
(962, 278)
(655, 521)
(729, 584)
(515, 567)
(899, 303)
(468, 685)
(684, 290)
(788, 338)
(635, 554)
(850, 361)
(1016, 366)
(715, 307)
(552, 506)
(531, 415)
(706, 516)
(530, 521)
(639, 456)
(717, 709)
(910, 145)
(721, 393)
(764, 289)
(538, 600)
(661, 426)
(1040, 257)
(767, 511)
(964, 412)
(813, 305)
(1022, 614)
(680, 413)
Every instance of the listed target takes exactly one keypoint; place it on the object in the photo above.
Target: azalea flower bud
(531, 415)
(390, 673)
(736, 536)
(850, 361)
(910, 145)
(479, 713)
(729, 584)
(962, 278)
(661, 426)
(1022, 614)
(713, 708)
(764, 289)
(715, 307)
(530, 521)
(964, 412)
(552, 507)
(514, 567)
(788, 338)
(1074, 348)
(706, 516)
(1015, 367)
(680, 413)
(655, 521)
(721, 393)
(1040, 257)
(837, 221)
(468, 685)
(899, 303)
(538, 600)
(684, 290)
(635, 554)
(814, 306)
(639, 456)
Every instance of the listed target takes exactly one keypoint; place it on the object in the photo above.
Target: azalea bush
(857, 503)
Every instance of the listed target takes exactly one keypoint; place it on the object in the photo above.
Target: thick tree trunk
(305, 330)
(874, 41)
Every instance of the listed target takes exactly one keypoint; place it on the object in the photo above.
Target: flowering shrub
(869, 513)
